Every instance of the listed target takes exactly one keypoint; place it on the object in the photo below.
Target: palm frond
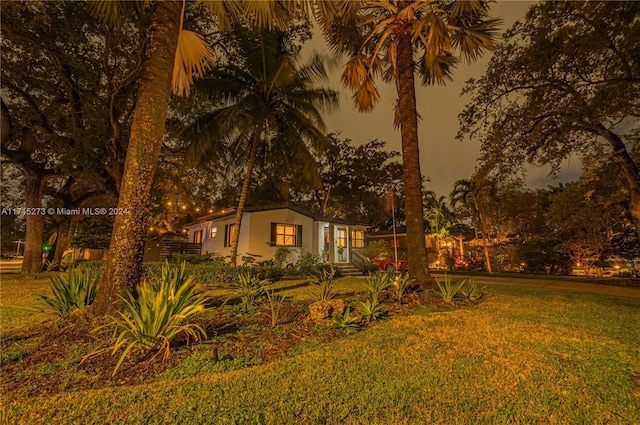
(366, 96)
(355, 72)
(477, 39)
(114, 12)
(225, 12)
(269, 14)
(193, 56)
(439, 70)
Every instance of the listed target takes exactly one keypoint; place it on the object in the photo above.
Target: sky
(443, 158)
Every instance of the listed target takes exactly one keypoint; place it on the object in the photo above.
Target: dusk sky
(443, 158)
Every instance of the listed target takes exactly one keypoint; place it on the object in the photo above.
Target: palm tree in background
(173, 55)
(467, 195)
(381, 38)
(436, 213)
(269, 106)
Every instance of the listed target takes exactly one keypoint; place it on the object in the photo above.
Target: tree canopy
(566, 80)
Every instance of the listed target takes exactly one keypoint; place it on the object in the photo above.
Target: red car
(389, 264)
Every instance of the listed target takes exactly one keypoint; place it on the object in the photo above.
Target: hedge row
(210, 273)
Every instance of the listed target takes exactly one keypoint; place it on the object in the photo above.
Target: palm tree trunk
(243, 195)
(487, 257)
(124, 263)
(417, 252)
(32, 259)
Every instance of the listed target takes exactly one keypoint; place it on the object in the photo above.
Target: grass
(18, 291)
(520, 356)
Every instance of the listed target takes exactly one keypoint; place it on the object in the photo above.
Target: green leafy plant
(175, 275)
(273, 306)
(308, 264)
(400, 286)
(470, 290)
(448, 289)
(326, 283)
(157, 316)
(50, 265)
(376, 283)
(345, 321)
(371, 310)
(75, 291)
(248, 289)
(283, 256)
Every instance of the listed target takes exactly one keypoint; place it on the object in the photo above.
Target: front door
(341, 244)
(326, 245)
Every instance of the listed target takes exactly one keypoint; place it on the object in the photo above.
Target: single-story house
(266, 228)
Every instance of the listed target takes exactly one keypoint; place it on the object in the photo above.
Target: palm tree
(268, 103)
(381, 38)
(172, 56)
(468, 194)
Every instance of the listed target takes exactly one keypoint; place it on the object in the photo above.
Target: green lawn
(520, 356)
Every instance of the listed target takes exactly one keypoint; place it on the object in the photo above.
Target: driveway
(548, 282)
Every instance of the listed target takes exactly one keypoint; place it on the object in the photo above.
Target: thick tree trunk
(628, 167)
(417, 252)
(124, 263)
(61, 239)
(243, 196)
(32, 260)
(5, 122)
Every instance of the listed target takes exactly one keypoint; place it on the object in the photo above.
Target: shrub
(206, 273)
(326, 283)
(283, 256)
(308, 264)
(94, 267)
(175, 275)
(69, 294)
(448, 290)
(375, 248)
(178, 257)
(248, 289)
(157, 316)
(345, 321)
(400, 286)
(369, 268)
(371, 310)
(273, 305)
(376, 283)
(470, 290)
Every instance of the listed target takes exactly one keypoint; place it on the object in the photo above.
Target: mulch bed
(54, 365)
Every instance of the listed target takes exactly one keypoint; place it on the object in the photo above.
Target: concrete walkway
(548, 282)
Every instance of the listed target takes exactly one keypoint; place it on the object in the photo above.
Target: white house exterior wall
(255, 235)
(260, 231)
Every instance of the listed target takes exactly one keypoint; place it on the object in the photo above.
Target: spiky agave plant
(448, 289)
(376, 283)
(75, 291)
(157, 316)
(371, 310)
(249, 289)
(326, 283)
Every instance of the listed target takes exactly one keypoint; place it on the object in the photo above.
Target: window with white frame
(230, 232)
(357, 238)
(283, 234)
(341, 237)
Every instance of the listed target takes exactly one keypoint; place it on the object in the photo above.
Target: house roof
(270, 207)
